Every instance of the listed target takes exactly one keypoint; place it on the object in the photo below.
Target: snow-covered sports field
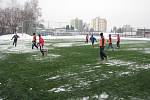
(72, 70)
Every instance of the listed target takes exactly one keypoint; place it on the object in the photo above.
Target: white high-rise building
(77, 24)
(99, 24)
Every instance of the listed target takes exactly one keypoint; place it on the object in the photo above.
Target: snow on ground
(9, 36)
(53, 78)
(138, 39)
(2, 56)
(22, 44)
(145, 50)
(131, 66)
(22, 47)
(133, 41)
(102, 96)
(64, 88)
(138, 67)
(65, 37)
(63, 44)
(86, 98)
(83, 37)
(67, 87)
(6, 42)
(124, 73)
(26, 36)
(37, 57)
(116, 62)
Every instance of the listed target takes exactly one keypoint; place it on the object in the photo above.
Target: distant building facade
(77, 24)
(99, 24)
(144, 32)
(126, 28)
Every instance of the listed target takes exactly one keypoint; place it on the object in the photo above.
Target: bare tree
(3, 21)
(13, 17)
(31, 16)
(10, 18)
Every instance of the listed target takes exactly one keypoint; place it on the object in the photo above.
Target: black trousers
(102, 53)
(15, 42)
(118, 44)
(41, 49)
(34, 45)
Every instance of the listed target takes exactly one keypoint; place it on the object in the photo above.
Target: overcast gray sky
(117, 12)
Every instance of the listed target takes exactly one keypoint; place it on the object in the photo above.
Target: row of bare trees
(19, 18)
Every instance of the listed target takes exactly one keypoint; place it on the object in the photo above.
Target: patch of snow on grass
(83, 83)
(124, 73)
(138, 67)
(97, 66)
(103, 96)
(104, 76)
(63, 45)
(47, 57)
(53, 78)
(22, 47)
(66, 88)
(2, 56)
(110, 72)
(70, 74)
(133, 42)
(86, 98)
(115, 62)
(57, 90)
(95, 97)
(88, 71)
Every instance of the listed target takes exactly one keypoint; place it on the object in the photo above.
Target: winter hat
(101, 34)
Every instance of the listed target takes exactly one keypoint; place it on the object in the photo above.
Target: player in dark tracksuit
(15, 37)
(93, 39)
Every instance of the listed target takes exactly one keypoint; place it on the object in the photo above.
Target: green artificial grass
(75, 74)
